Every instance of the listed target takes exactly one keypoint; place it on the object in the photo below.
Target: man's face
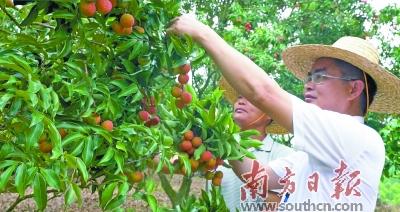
(245, 113)
(330, 93)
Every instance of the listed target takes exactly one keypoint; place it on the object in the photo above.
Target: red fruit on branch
(190, 151)
(107, 125)
(248, 26)
(185, 146)
(184, 69)
(216, 181)
(194, 164)
(62, 132)
(127, 20)
(176, 91)
(117, 28)
(103, 6)
(114, 3)
(88, 9)
(153, 121)
(183, 78)
(45, 146)
(196, 142)
(186, 97)
(144, 115)
(127, 31)
(136, 177)
(152, 110)
(179, 103)
(188, 135)
(206, 156)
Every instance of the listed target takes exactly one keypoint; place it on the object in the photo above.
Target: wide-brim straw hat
(231, 95)
(358, 52)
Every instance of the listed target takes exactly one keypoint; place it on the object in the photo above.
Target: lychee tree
(94, 94)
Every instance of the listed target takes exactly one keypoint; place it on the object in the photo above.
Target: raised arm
(244, 75)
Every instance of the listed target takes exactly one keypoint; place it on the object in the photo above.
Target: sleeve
(290, 161)
(325, 135)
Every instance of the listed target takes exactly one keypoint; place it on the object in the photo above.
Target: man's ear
(357, 87)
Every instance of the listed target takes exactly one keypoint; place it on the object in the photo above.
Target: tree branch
(20, 199)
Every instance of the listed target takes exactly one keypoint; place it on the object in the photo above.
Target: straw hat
(231, 95)
(358, 52)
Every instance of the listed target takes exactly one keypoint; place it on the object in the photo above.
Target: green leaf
(72, 137)
(20, 175)
(152, 201)
(52, 178)
(40, 192)
(128, 65)
(4, 99)
(69, 196)
(149, 185)
(36, 118)
(116, 202)
(107, 193)
(34, 134)
(15, 107)
(107, 157)
(55, 138)
(82, 168)
(125, 46)
(22, 63)
(199, 151)
(88, 150)
(247, 143)
(5, 176)
(64, 14)
(78, 193)
(135, 50)
(120, 161)
(34, 86)
(129, 90)
(123, 188)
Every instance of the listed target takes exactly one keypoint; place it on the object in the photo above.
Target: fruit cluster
(207, 162)
(125, 24)
(95, 119)
(190, 143)
(45, 146)
(183, 97)
(89, 7)
(148, 114)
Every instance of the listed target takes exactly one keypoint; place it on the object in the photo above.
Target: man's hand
(188, 25)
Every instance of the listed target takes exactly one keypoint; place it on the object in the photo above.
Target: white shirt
(231, 184)
(322, 139)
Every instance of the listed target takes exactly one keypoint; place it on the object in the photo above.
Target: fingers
(172, 26)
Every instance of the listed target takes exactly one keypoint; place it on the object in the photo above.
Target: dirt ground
(90, 201)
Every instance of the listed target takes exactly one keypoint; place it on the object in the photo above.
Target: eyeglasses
(318, 78)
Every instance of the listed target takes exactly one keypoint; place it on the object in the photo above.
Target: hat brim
(231, 95)
(299, 60)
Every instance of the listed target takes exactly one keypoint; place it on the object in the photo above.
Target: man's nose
(308, 86)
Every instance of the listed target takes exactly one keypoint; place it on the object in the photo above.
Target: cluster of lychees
(183, 97)
(207, 162)
(148, 114)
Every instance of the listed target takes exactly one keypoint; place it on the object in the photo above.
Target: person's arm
(245, 166)
(244, 75)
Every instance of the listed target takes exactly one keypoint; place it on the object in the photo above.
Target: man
(247, 117)
(340, 159)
